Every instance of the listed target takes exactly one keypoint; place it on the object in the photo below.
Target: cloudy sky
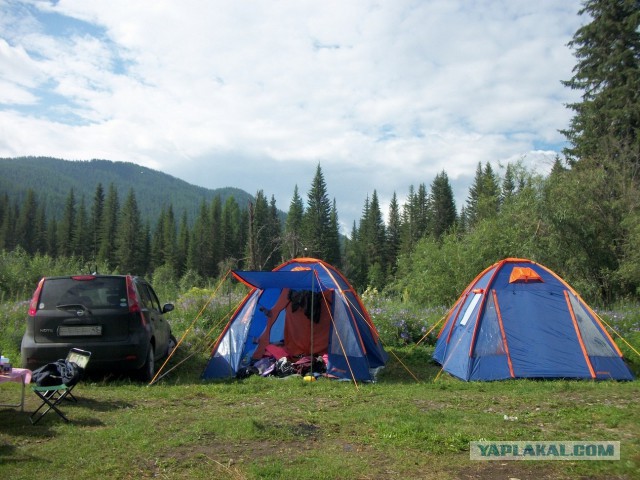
(255, 94)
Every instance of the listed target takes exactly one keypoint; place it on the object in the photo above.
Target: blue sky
(254, 94)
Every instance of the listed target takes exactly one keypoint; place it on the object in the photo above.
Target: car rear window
(96, 292)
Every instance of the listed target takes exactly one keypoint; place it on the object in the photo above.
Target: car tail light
(132, 297)
(33, 306)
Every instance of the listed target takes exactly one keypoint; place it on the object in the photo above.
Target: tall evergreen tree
(97, 223)
(52, 238)
(67, 227)
(130, 239)
(372, 238)
(182, 245)
(606, 124)
(393, 234)
(215, 232)
(443, 206)
(293, 227)
(334, 248)
(199, 259)
(484, 196)
(41, 230)
(231, 232)
(107, 247)
(26, 234)
(317, 219)
(83, 236)
(262, 245)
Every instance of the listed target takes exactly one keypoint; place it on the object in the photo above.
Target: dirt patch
(508, 471)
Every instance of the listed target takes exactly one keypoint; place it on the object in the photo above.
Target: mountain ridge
(53, 178)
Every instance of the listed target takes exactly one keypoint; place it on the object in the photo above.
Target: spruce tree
(443, 206)
(182, 245)
(393, 235)
(606, 122)
(317, 219)
(96, 222)
(26, 234)
(334, 248)
(199, 259)
(130, 238)
(83, 235)
(67, 227)
(293, 227)
(107, 247)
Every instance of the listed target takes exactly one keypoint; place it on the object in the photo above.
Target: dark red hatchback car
(118, 318)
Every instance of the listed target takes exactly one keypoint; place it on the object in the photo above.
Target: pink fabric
(276, 351)
(18, 375)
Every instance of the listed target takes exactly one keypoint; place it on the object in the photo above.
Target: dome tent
(343, 331)
(518, 319)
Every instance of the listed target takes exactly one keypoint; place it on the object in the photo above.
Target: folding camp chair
(53, 395)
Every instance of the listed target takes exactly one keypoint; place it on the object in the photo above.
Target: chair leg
(47, 400)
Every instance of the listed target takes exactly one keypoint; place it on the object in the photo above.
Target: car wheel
(172, 344)
(149, 368)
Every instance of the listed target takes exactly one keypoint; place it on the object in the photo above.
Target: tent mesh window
(593, 339)
(489, 338)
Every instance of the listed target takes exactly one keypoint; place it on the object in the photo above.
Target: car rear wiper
(74, 306)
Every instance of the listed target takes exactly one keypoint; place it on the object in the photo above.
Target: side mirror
(167, 307)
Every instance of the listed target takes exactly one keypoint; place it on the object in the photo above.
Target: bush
(400, 322)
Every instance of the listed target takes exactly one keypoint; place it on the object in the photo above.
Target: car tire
(173, 343)
(148, 370)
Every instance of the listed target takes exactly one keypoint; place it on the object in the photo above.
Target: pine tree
(261, 246)
(67, 227)
(83, 235)
(443, 206)
(97, 223)
(26, 235)
(393, 235)
(334, 249)
(372, 237)
(107, 247)
(41, 230)
(182, 245)
(215, 243)
(606, 124)
(231, 232)
(199, 259)
(293, 226)
(484, 196)
(508, 185)
(130, 240)
(317, 219)
(5, 214)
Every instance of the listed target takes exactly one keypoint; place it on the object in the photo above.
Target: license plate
(80, 331)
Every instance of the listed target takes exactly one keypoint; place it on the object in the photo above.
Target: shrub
(401, 322)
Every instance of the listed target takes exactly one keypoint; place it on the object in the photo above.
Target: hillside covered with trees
(582, 220)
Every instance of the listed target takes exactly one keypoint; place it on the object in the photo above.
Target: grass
(398, 428)
(267, 428)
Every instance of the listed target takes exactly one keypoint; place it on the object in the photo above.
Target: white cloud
(383, 95)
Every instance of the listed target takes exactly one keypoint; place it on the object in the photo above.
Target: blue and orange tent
(343, 331)
(518, 319)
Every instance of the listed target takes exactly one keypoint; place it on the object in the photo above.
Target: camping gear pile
(277, 362)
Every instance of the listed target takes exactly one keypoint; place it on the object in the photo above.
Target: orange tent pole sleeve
(502, 333)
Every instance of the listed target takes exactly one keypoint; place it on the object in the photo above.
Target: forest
(582, 220)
